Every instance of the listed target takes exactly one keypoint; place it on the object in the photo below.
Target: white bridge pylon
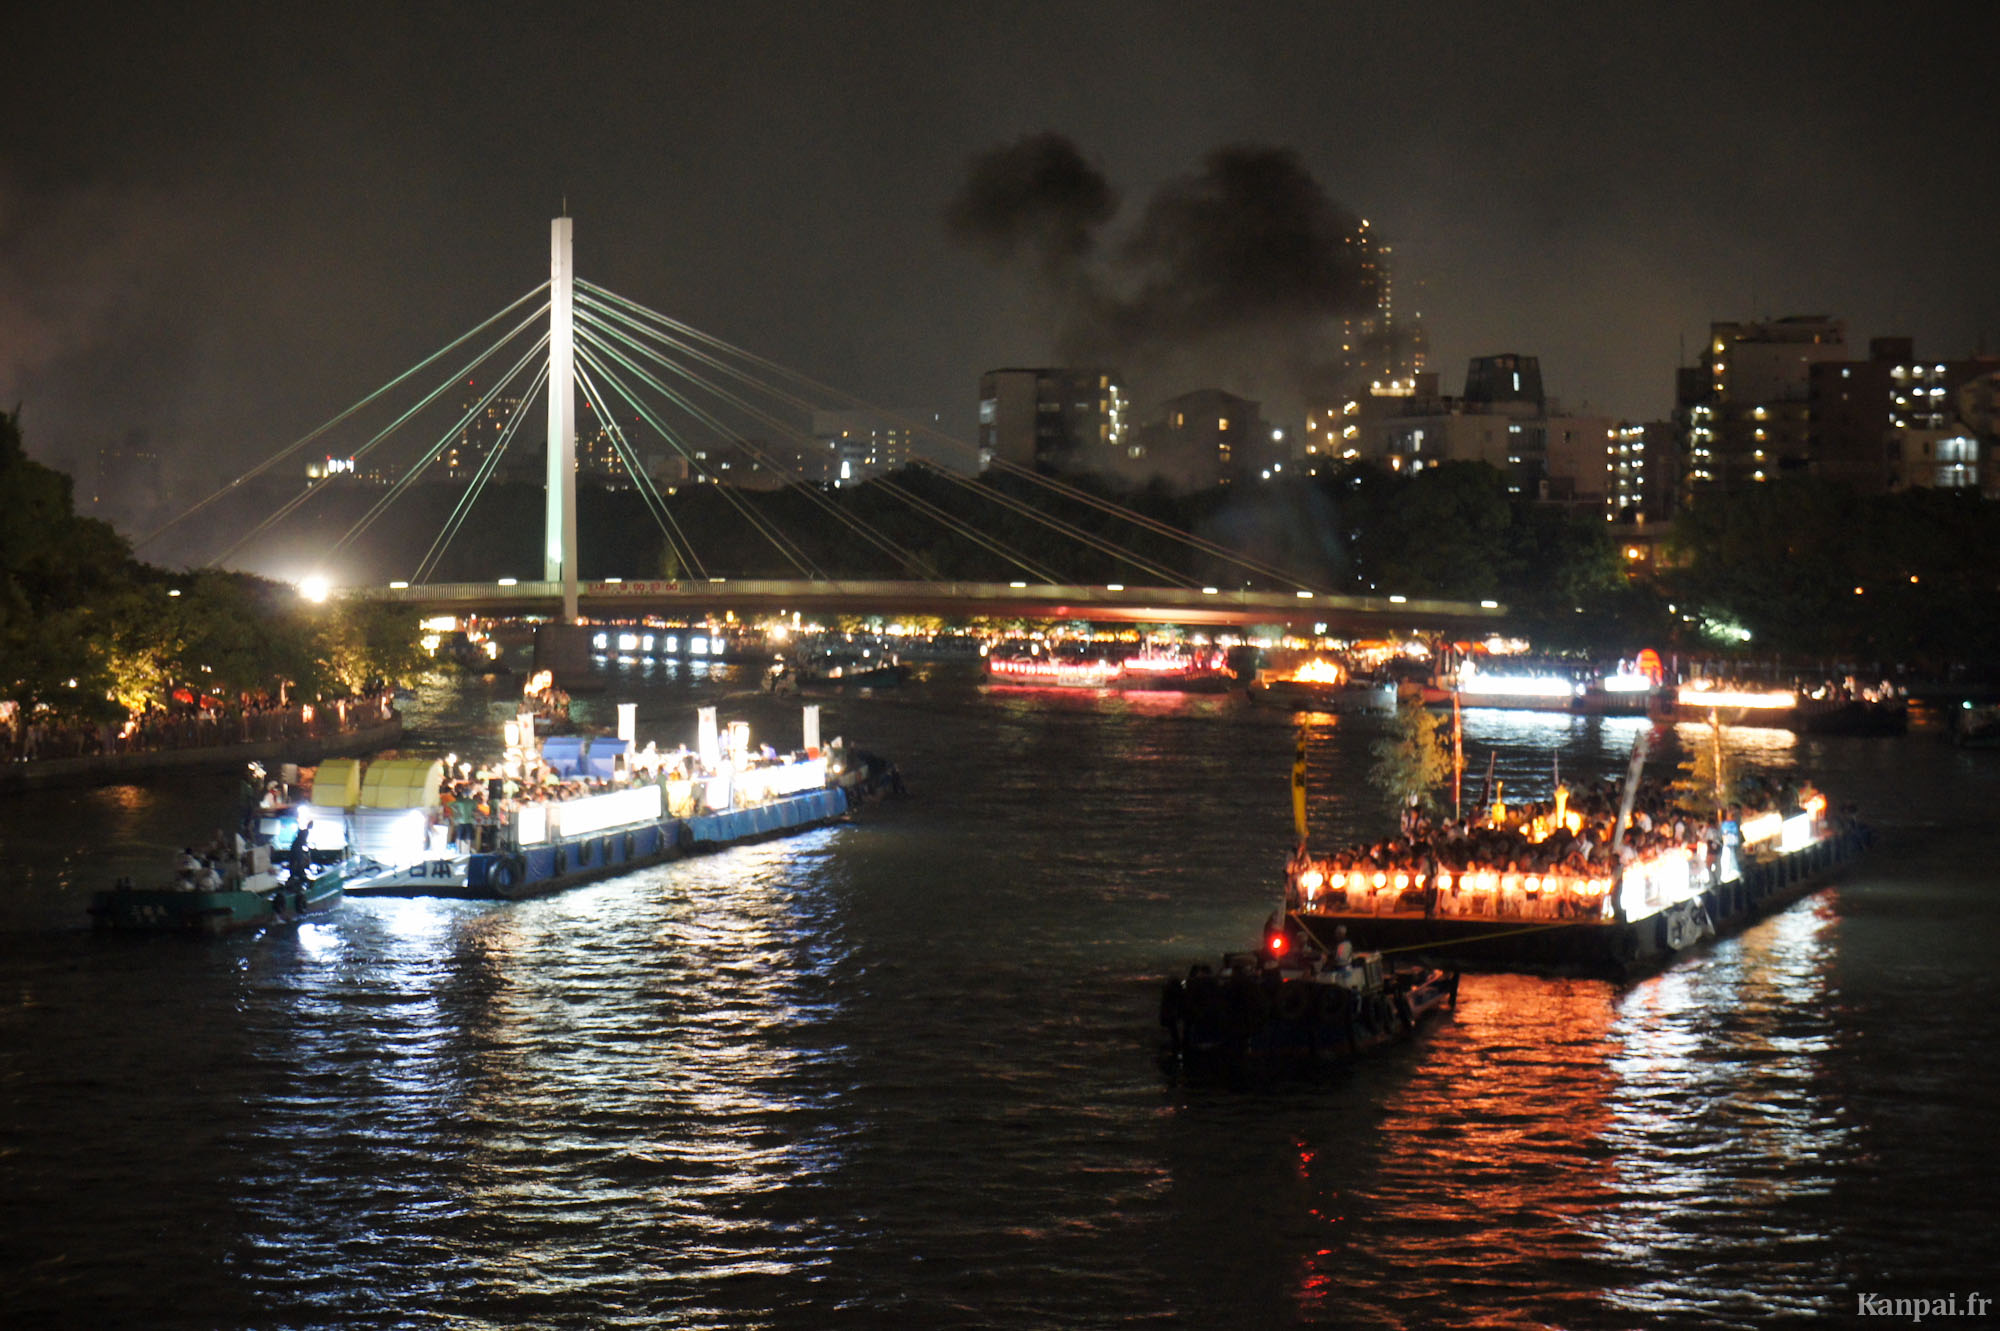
(559, 521)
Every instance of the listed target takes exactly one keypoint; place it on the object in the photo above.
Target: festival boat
(1156, 668)
(1592, 919)
(1830, 709)
(1290, 1007)
(1545, 686)
(1321, 685)
(826, 669)
(250, 896)
(1976, 727)
(388, 824)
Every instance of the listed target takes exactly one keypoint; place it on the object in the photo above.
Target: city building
(1208, 438)
(1503, 419)
(1054, 420)
(855, 446)
(1895, 422)
(1744, 411)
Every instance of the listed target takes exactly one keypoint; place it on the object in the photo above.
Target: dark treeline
(89, 634)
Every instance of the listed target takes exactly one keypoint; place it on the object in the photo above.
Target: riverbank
(103, 769)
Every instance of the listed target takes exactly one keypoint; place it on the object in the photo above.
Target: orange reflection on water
(1488, 1155)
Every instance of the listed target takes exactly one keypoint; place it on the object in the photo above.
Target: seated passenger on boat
(1551, 861)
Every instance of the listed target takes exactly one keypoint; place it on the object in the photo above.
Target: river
(904, 1072)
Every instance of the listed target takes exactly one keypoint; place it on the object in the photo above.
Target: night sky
(221, 223)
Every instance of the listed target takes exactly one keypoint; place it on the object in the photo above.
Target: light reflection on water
(902, 1071)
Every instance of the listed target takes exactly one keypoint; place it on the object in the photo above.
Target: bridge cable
(292, 505)
(295, 446)
(487, 466)
(924, 507)
(793, 478)
(1082, 536)
(784, 474)
(409, 477)
(785, 546)
(1027, 474)
(649, 493)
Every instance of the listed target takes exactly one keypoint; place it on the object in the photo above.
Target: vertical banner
(739, 742)
(628, 722)
(708, 740)
(812, 726)
(1299, 786)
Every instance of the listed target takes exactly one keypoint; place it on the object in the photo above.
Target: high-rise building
(858, 445)
(1208, 438)
(1503, 419)
(1895, 422)
(1054, 420)
(1379, 350)
(1744, 411)
(480, 435)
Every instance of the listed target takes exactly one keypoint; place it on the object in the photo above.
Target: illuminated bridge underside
(952, 600)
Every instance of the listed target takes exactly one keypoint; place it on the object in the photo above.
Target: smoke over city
(1236, 276)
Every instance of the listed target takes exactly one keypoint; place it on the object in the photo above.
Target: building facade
(1055, 420)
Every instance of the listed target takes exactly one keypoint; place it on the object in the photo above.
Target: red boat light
(1278, 944)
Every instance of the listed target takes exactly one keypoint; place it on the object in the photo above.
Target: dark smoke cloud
(1037, 195)
(1235, 277)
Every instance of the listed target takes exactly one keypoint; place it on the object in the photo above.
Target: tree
(1413, 761)
(1705, 786)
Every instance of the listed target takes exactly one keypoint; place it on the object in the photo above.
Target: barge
(403, 827)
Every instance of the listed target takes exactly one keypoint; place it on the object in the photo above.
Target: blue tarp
(604, 751)
(563, 754)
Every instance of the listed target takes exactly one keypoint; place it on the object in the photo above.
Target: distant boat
(251, 896)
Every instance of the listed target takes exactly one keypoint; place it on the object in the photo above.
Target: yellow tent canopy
(337, 783)
(402, 783)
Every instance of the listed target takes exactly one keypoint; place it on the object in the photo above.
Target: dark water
(903, 1072)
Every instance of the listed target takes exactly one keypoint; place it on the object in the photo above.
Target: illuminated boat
(1547, 686)
(1322, 685)
(1157, 668)
(252, 896)
(820, 671)
(1282, 1008)
(1823, 711)
(1600, 923)
(386, 825)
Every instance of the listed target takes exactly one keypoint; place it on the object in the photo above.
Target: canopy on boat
(337, 783)
(401, 783)
(563, 754)
(602, 757)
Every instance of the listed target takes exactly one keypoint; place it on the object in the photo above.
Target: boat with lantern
(1533, 891)
(1155, 667)
(1322, 684)
(1288, 1006)
(560, 811)
(1831, 708)
(1577, 688)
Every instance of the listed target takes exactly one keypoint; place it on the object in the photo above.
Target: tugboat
(1296, 1005)
(244, 894)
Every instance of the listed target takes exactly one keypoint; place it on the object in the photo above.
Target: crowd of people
(192, 725)
(1552, 860)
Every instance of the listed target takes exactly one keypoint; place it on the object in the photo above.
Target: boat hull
(1610, 949)
(540, 870)
(1241, 1019)
(164, 910)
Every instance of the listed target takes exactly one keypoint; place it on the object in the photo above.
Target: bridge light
(1495, 605)
(315, 588)
(1017, 584)
(1119, 586)
(1304, 596)
(1208, 591)
(1398, 600)
(174, 591)
(614, 579)
(510, 582)
(394, 587)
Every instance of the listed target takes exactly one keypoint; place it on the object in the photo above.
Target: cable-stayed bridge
(638, 369)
